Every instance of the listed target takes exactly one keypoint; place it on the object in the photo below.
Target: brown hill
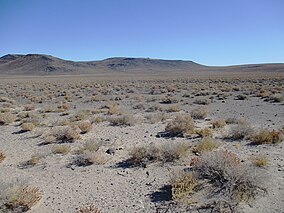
(39, 64)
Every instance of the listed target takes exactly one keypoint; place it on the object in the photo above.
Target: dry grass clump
(35, 159)
(202, 101)
(29, 107)
(88, 158)
(89, 209)
(181, 125)
(174, 108)
(62, 135)
(2, 156)
(157, 117)
(141, 156)
(260, 161)
(61, 149)
(199, 113)
(220, 123)
(228, 177)
(266, 136)
(125, 120)
(85, 126)
(27, 127)
(7, 118)
(183, 185)
(88, 154)
(19, 197)
(276, 98)
(206, 132)
(91, 146)
(113, 109)
(80, 115)
(241, 97)
(205, 145)
(240, 131)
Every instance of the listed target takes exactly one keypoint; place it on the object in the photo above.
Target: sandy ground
(115, 188)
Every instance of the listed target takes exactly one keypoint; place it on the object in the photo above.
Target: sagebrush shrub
(205, 145)
(85, 126)
(240, 131)
(218, 123)
(2, 156)
(19, 197)
(224, 171)
(181, 125)
(183, 185)
(144, 155)
(7, 118)
(199, 113)
(89, 209)
(266, 136)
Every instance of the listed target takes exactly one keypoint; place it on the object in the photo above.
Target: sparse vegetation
(199, 113)
(205, 145)
(27, 126)
(147, 154)
(240, 131)
(227, 175)
(126, 120)
(260, 160)
(19, 197)
(206, 132)
(266, 136)
(220, 123)
(183, 185)
(2, 156)
(7, 118)
(181, 125)
(61, 149)
(89, 209)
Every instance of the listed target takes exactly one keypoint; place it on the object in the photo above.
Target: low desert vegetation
(18, 197)
(205, 145)
(90, 145)
(61, 149)
(2, 156)
(89, 209)
(125, 120)
(229, 179)
(143, 155)
(183, 185)
(219, 123)
(88, 158)
(79, 122)
(7, 118)
(202, 101)
(62, 135)
(181, 125)
(276, 98)
(240, 131)
(205, 132)
(266, 136)
(85, 126)
(27, 127)
(157, 117)
(199, 113)
(260, 160)
(33, 161)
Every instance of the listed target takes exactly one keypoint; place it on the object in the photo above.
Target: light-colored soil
(116, 187)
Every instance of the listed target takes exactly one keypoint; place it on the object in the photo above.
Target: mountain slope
(39, 64)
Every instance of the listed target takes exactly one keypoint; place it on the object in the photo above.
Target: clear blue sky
(211, 32)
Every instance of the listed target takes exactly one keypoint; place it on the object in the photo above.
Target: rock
(110, 151)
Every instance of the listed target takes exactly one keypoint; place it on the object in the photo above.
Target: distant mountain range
(40, 64)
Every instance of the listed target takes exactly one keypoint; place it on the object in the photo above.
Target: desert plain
(207, 142)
